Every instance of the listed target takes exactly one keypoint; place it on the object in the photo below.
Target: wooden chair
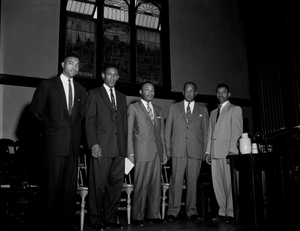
(128, 189)
(81, 189)
(8, 146)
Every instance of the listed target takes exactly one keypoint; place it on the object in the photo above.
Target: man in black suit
(106, 132)
(58, 106)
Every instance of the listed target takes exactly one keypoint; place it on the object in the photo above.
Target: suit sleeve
(237, 128)
(208, 145)
(38, 103)
(168, 130)
(130, 119)
(205, 125)
(91, 119)
(162, 133)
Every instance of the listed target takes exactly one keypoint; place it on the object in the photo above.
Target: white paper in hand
(128, 166)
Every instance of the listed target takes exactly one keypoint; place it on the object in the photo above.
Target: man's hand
(96, 151)
(131, 158)
(229, 154)
(208, 159)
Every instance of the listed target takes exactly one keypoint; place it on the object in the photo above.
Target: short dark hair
(70, 55)
(223, 85)
(110, 65)
(142, 85)
(189, 83)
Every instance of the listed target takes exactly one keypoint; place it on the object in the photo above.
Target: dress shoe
(98, 226)
(114, 225)
(171, 218)
(218, 218)
(138, 223)
(155, 220)
(195, 217)
(229, 220)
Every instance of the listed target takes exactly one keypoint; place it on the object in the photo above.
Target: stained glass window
(130, 37)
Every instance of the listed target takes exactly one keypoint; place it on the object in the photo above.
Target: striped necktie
(150, 112)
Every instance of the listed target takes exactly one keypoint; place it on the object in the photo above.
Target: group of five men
(114, 131)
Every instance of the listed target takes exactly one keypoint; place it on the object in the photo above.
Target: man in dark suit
(106, 132)
(225, 128)
(186, 136)
(58, 106)
(146, 149)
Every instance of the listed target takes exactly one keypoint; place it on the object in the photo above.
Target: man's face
(189, 93)
(110, 76)
(223, 94)
(70, 66)
(147, 92)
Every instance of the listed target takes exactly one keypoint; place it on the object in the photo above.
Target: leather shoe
(229, 220)
(114, 226)
(218, 218)
(138, 223)
(155, 220)
(98, 226)
(195, 217)
(171, 218)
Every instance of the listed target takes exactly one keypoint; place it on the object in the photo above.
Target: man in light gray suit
(225, 128)
(146, 149)
(186, 135)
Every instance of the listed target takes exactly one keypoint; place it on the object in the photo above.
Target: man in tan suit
(224, 132)
(146, 149)
(186, 135)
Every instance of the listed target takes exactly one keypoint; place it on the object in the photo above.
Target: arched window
(133, 34)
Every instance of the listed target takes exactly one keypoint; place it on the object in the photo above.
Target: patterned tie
(150, 112)
(188, 112)
(113, 104)
(218, 112)
(70, 98)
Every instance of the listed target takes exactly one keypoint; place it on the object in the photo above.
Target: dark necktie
(113, 102)
(150, 112)
(218, 112)
(70, 98)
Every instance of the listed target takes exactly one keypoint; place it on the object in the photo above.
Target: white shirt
(223, 105)
(65, 81)
(108, 92)
(192, 104)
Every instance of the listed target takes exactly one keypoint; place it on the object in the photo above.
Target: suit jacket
(102, 127)
(144, 138)
(60, 132)
(182, 136)
(224, 134)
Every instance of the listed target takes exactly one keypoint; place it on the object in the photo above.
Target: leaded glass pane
(80, 40)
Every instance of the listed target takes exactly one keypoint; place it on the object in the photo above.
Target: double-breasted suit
(106, 173)
(223, 137)
(147, 142)
(61, 139)
(185, 141)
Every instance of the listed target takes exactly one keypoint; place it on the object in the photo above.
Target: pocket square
(78, 100)
(158, 117)
(200, 115)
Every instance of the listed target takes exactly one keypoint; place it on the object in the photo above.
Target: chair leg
(163, 206)
(128, 206)
(82, 211)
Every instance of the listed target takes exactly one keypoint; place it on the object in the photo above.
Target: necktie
(218, 112)
(70, 98)
(150, 112)
(188, 109)
(188, 112)
(113, 103)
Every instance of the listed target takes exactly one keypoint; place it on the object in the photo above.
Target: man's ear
(102, 75)
(140, 91)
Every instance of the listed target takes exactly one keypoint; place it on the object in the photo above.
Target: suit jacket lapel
(145, 111)
(182, 109)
